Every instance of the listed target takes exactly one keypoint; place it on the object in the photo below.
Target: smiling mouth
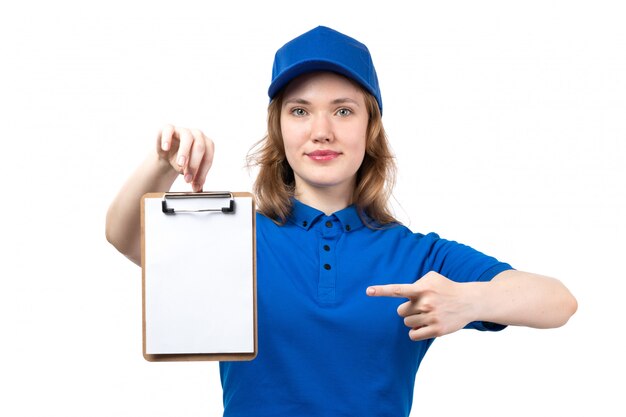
(323, 155)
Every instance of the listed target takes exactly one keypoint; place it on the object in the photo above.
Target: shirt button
(326, 267)
(347, 227)
(329, 224)
(304, 223)
(326, 248)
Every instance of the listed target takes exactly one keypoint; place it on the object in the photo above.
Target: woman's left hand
(436, 305)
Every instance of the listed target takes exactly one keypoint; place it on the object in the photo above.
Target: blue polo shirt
(324, 347)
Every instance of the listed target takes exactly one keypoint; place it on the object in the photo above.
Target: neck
(326, 199)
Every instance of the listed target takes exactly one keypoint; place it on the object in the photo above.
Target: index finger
(392, 290)
(165, 137)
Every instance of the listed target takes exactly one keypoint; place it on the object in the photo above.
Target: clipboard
(198, 261)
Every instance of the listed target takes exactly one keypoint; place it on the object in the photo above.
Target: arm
(523, 299)
(178, 151)
(437, 306)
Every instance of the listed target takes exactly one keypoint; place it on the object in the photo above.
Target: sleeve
(462, 263)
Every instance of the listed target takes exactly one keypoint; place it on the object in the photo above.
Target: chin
(326, 178)
(326, 182)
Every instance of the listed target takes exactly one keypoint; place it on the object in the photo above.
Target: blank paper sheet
(198, 277)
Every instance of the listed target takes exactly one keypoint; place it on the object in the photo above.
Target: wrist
(476, 299)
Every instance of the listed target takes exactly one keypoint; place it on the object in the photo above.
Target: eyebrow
(302, 101)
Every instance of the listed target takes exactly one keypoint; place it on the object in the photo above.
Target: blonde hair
(275, 184)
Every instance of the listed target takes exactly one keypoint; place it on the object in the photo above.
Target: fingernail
(371, 291)
(188, 178)
(181, 160)
(165, 146)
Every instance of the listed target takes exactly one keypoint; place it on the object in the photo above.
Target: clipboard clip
(214, 194)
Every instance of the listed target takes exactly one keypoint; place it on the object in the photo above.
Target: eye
(298, 112)
(344, 112)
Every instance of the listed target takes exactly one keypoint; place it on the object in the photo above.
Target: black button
(348, 227)
(326, 267)
(326, 248)
(304, 223)
(329, 224)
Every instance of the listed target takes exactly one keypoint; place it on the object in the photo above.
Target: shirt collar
(349, 218)
(305, 216)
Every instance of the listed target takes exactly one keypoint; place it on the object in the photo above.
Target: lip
(323, 155)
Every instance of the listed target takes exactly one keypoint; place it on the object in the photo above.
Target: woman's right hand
(188, 151)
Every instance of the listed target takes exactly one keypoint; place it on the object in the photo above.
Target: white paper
(199, 295)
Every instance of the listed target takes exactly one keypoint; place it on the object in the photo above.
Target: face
(324, 125)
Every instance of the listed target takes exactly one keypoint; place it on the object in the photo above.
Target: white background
(507, 119)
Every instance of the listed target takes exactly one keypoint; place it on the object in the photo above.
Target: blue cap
(325, 49)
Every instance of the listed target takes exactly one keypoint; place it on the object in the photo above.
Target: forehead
(323, 82)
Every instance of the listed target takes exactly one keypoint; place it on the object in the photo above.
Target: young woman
(349, 300)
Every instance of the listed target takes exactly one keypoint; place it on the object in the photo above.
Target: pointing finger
(392, 290)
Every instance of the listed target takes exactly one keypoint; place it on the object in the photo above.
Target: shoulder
(265, 223)
(403, 232)
(262, 218)
(401, 238)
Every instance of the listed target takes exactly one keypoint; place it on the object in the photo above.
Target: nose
(321, 129)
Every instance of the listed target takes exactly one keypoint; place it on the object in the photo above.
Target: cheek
(290, 135)
(361, 156)
(360, 150)
(287, 137)
(291, 145)
(359, 144)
